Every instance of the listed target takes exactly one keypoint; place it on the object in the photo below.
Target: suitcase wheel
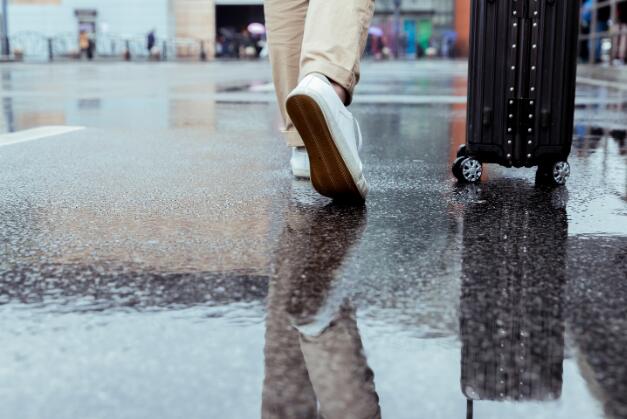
(554, 174)
(467, 169)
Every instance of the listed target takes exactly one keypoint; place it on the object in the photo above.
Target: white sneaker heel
(332, 137)
(300, 163)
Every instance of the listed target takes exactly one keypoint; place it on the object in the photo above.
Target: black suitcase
(521, 92)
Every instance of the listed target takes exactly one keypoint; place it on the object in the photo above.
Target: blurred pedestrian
(378, 47)
(584, 43)
(603, 25)
(151, 41)
(621, 29)
(83, 44)
(595, 43)
(315, 50)
(220, 46)
(449, 40)
(247, 48)
(91, 47)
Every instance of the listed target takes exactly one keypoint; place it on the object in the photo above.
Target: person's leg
(285, 24)
(309, 293)
(304, 267)
(335, 37)
(339, 371)
(598, 53)
(287, 390)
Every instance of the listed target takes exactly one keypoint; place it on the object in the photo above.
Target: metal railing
(603, 32)
(34, 46)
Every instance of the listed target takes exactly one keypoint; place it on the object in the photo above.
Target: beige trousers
(315, 36)
(325, 375)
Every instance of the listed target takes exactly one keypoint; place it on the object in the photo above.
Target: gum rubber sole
(329, 174)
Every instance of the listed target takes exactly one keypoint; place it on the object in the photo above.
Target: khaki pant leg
(339, 371)
(335, 38)
(287, 390)
(285, 24)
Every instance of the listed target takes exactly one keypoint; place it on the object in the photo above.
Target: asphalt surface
(162, 263)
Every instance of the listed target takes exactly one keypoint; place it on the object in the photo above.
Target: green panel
(425, 31)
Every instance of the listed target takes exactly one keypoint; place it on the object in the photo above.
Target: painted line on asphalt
(365, 99)
(602, 83)
(410, 99)
(376, 99)
(36, 134)
(262, 88)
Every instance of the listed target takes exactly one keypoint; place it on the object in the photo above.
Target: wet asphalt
(163, 263)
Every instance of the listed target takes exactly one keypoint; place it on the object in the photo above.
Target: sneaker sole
(329, 174)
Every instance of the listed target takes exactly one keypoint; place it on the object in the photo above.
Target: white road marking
(262, 88)
(248, 97)
(602, 83)
(378, 99)
(35, 134)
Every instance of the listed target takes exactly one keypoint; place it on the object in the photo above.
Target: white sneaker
(332, 138)
(300, 163)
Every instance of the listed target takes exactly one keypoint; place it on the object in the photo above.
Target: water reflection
(511, 310)
(596, 316)
(8, 120)
(314, 359)
(589, 138)
(86, 104)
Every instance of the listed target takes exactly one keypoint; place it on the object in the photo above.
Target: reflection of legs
(287, 391)
(304, 299)
(335, 37)
(342, 380)
(285, 20)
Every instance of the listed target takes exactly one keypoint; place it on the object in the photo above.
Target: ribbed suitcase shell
(511, 316)
(522, 76)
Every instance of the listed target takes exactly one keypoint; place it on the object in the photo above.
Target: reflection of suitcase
(521, 93)
(511, 318)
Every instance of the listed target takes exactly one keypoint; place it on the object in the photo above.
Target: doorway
(233, 39)
(87, 19)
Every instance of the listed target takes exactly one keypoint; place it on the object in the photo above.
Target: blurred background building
(110, 20)
(125, 17)
(404, 28)
(234, 29)
(413, 28)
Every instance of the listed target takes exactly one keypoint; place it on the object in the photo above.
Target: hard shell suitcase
(521, 90)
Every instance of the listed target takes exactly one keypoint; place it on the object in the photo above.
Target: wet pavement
(163, 263)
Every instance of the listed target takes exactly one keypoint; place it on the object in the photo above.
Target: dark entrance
(231, 23)
(238, 17)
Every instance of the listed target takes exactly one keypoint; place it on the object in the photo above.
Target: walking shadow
(511, 310)
(314, 360)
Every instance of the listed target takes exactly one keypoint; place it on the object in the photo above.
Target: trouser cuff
(292, 138)
(345, 78)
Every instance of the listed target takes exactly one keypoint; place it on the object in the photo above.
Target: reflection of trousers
(315, 36)
(301, 370)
